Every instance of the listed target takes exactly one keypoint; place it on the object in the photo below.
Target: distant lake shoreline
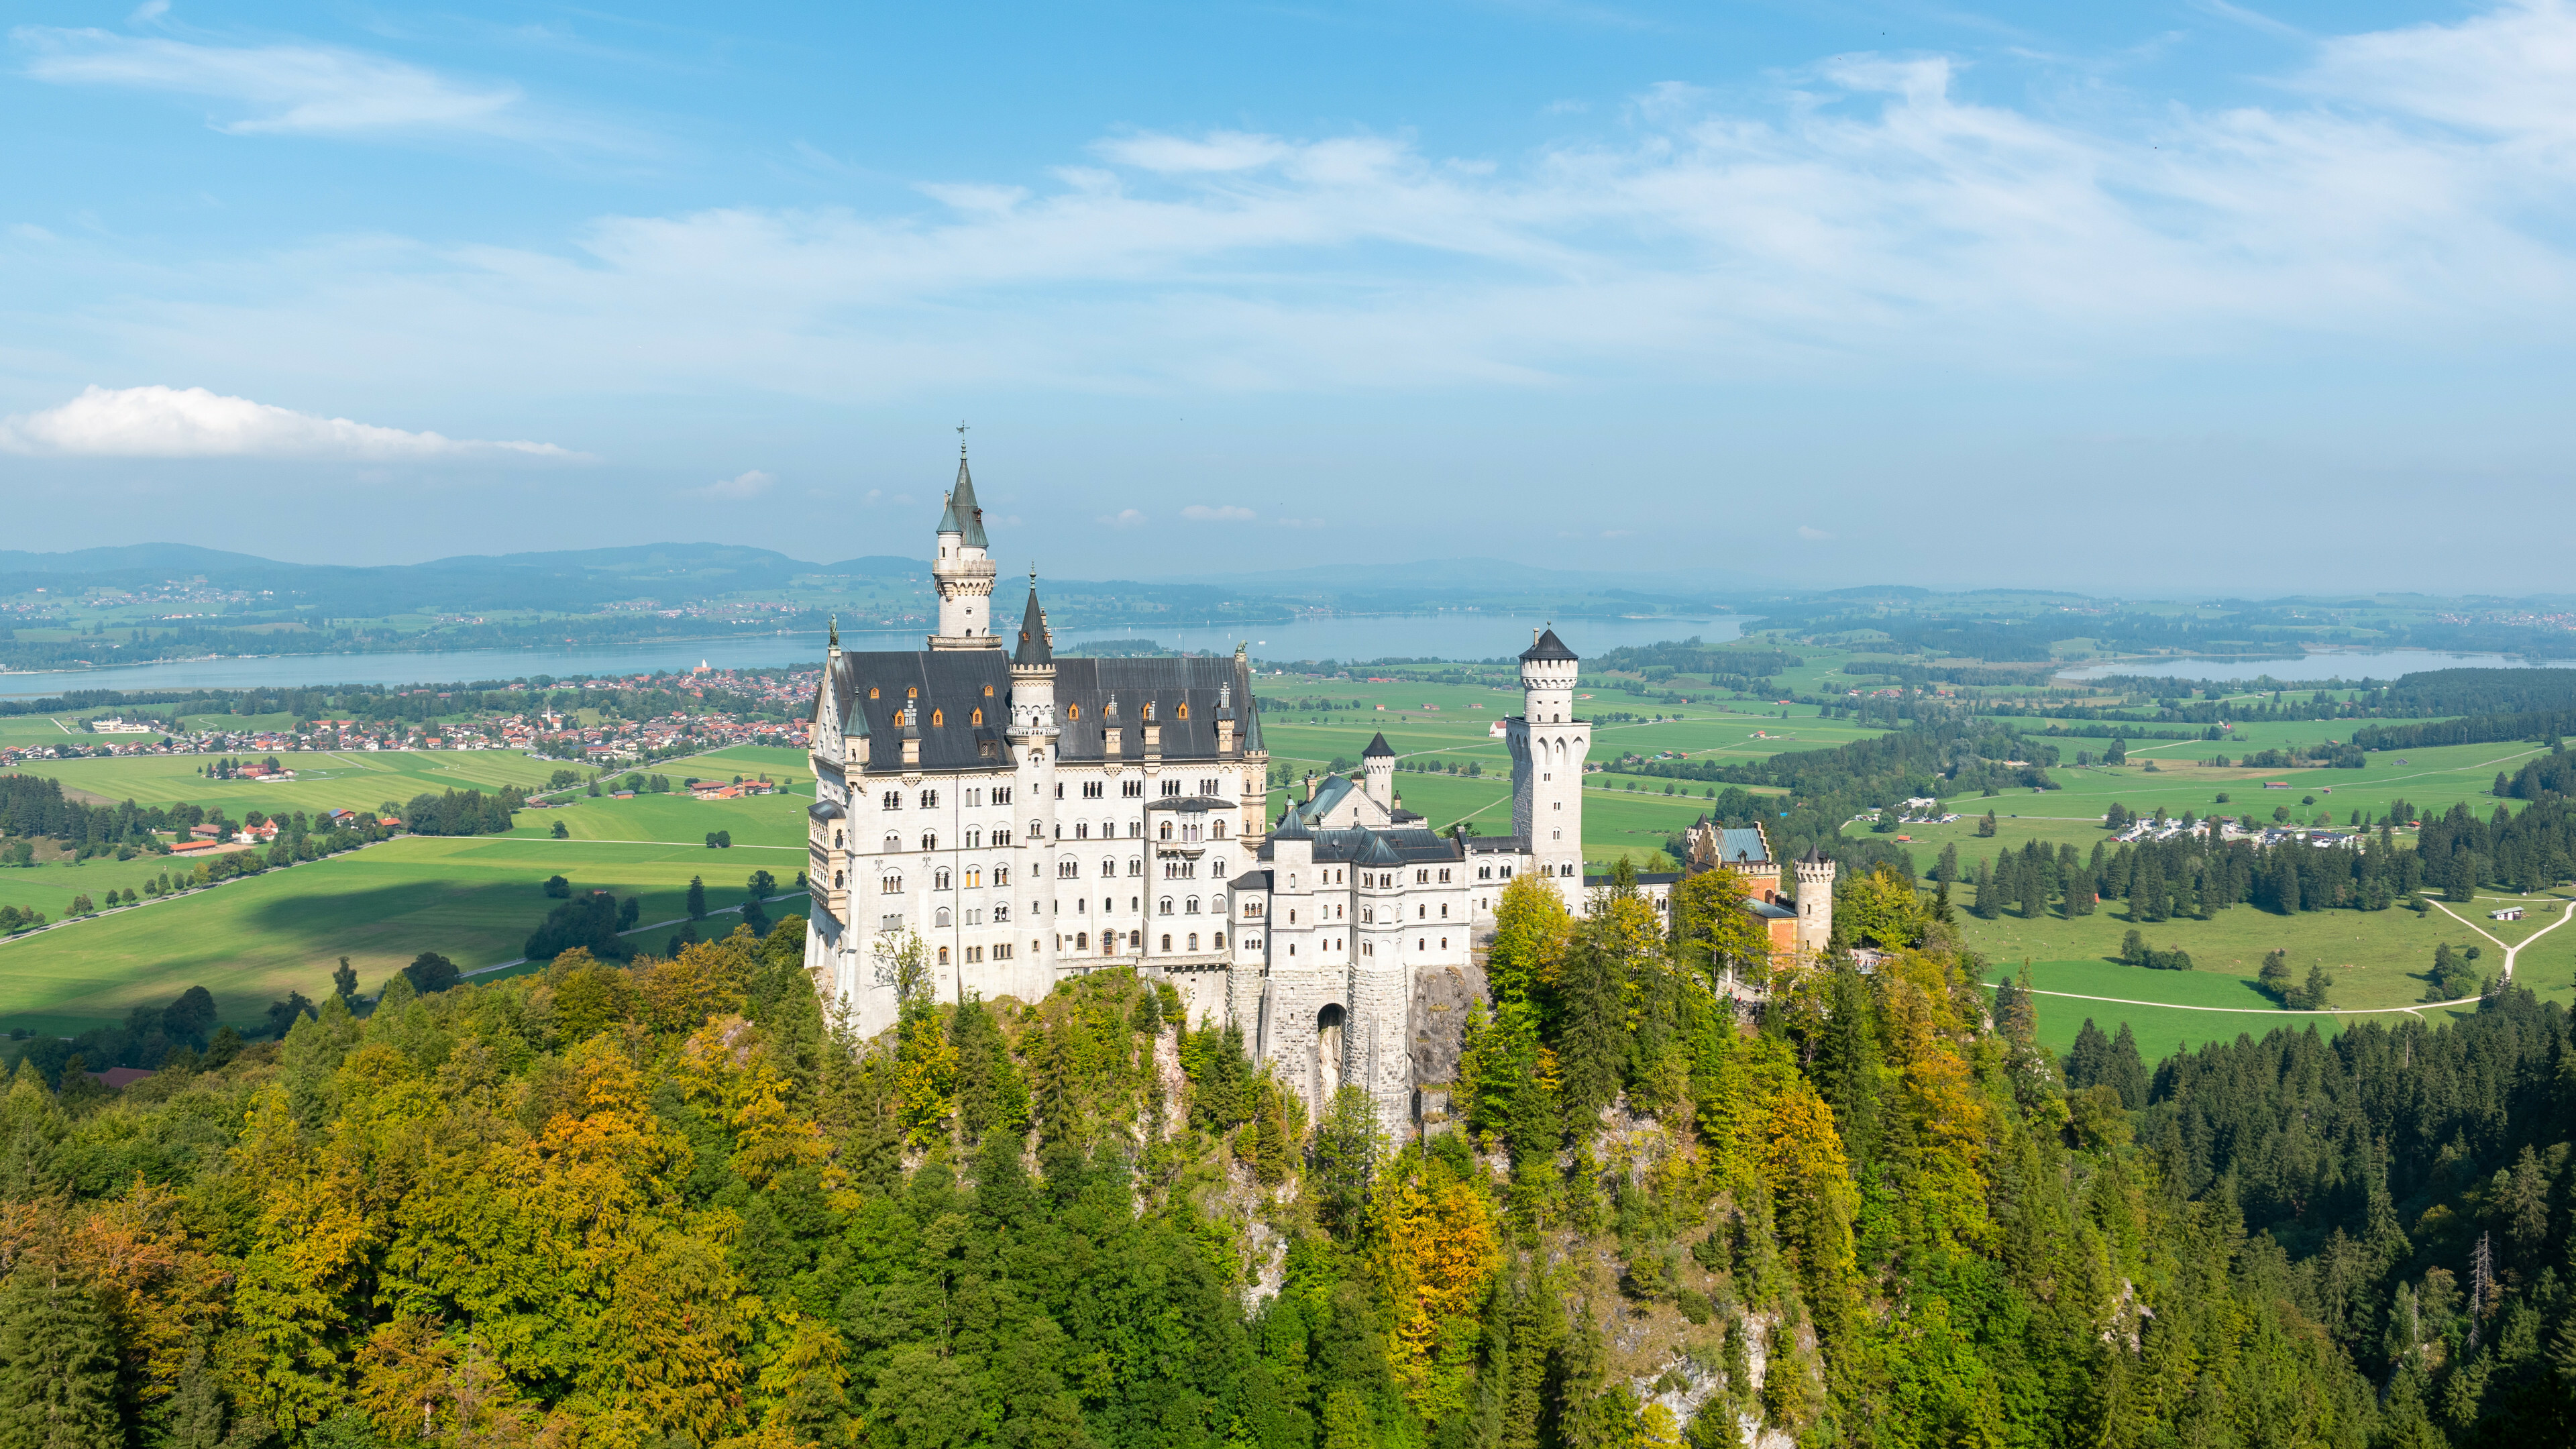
(2313, 667)
(1351, 638)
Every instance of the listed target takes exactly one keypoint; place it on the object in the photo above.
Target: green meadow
(332, 780)
(471, 899)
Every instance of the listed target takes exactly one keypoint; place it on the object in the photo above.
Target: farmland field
(324, 780)
(471, 899)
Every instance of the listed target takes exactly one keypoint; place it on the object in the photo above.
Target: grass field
(473, 900)
(346, 779)
(2377, 960)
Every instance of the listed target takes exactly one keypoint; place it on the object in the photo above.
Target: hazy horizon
(2187, 299)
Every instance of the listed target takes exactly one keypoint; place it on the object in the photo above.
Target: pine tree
(57, 1363)
(1592, 1042)
(2127, 1071)
(697, 899)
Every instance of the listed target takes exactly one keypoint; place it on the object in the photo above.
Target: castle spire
(1035, 648)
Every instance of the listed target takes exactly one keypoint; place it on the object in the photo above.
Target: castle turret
(962, 570)
(1815, 902)
(1033, 734)
(1548, 746)
(1377, 767)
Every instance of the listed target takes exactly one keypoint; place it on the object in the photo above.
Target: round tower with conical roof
(1377, 771)
(963, 571)
(1548, 746)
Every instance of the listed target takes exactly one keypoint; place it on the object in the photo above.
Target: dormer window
(1073, 711)
(1185, 709)
(872, 691)
(988, 691)
(937, 718)
(913, 693)
(979, 714)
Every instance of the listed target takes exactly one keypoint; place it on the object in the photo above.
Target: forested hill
(670, 1205)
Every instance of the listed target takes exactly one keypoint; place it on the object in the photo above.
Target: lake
(1459, 634)
(2324, 665)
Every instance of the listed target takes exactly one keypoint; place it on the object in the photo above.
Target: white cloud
(148, 11)
(168, 422)
(1226, 513)
(2407, 189)
(1217, 151)
(295, 88)
(749, 484)
(1812, 534)
(1123, 518)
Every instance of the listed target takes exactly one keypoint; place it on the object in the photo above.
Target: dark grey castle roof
(1548, 647)
(1378, 748)
(1405, 845)
(1035, 647)
(961, 515)
(951, 685)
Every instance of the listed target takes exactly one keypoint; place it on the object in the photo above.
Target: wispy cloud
(2406, 188)
(298, 88)
(1124, 518)
(1226, 513)
(749, 484)
(166, 422)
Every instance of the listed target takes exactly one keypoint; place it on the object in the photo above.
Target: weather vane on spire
(961, 437)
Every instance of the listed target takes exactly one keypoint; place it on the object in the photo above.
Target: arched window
(890, 885)
(929, 799)
(1109, 868)
(978, 718)
(836, 840)
(1166, 906)
(837, 881)
(1001, 838)
(1001, 912)
(1037, 831)
(938, 717)
(1190, 906)
(1217, 944)
(988, 691)
(939, 879)
(1135, 866)
(940, 920)
(1166, 832)
(872, 691)
(1073, 711)
(1185, 709)
(1220, 827)
(974, 878)
(1167, 941)
(1194, 940)
(1001, 877)
(913, 693)
(930, 840)
(943, 955)
(1082, 940)
(974, 838)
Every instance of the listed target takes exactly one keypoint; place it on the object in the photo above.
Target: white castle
(1030, 818)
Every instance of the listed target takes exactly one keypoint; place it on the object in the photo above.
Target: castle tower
(1377, 769)
(1032, 734)
(1815, 902)
(1548, 746)
(962, 571)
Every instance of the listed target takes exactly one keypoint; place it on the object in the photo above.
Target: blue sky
(2147, 298)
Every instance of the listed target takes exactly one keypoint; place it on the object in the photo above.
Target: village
(739, 712)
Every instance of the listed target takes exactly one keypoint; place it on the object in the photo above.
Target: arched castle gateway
(1030, 818)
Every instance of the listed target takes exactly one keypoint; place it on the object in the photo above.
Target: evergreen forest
(674, 1203)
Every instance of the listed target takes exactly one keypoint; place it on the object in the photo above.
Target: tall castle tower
(1377, 769)
(1815, 902)
(962, 571)
(1548, 747)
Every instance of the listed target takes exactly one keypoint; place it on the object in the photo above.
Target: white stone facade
(1029, 818)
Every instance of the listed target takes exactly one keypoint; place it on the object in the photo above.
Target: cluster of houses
(2227, 830)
